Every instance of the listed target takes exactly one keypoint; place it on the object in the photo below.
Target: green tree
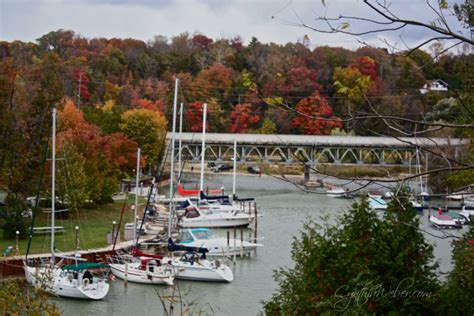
(268, 127)
(147, 128)
(457, 292)
(17, 298)
(361, 265)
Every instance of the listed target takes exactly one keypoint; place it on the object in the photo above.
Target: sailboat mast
(53, 183)
(170, 217)
(137, 177)
(235, 169)
(203, 150)
(180, 140)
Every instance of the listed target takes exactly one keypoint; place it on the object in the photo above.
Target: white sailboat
(217, 246)
(75, 281)
(195, 217)
(144, 269)
(194, 266)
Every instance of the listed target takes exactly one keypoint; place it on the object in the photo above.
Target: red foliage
(214, 81)
(302, 79)
(194, 113)
(311, 110)
(157, 106)
(243, 117)
(120, 150)
(87, 138)
(201, 41)
(366, 66)
(299, 81)
(82, 80)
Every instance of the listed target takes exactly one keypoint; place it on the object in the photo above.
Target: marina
(285, 209)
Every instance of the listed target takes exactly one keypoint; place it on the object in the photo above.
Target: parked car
(254, 170)
(211, 164)
(221, 167)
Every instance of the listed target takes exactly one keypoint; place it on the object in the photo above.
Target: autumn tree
(93, 162)
(213, 82)
(315, 116)
(194, 116)
(147, 128)
(242, 118)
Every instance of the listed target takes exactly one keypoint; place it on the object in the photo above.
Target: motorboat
(467, 212)
(217, 246)
(444, 221)
(377, 204)
(463, 219)
(388, 195)
(425, 196)
(196, 217)
(374, 194)
(417, 205)
(337, 192)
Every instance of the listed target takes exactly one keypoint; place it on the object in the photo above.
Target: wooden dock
(13, 266)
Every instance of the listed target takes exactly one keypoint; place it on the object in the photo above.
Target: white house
(434, 85)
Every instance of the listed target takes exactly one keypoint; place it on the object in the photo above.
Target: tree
(268, 127)
(17, 298)
(147, 128)
(455, 293)
(93, 162)
(242, 118)
(315, 116)
(194, 116)
(361, 265)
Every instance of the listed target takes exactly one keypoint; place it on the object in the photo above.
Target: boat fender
(85, 282)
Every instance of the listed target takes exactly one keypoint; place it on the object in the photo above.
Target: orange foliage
(243, 117)
(311, 112)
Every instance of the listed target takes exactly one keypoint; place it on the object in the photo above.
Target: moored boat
(217, 246)
(337, 192)
(146, 270)
(444, 221)
(195, 217)
(377, 204)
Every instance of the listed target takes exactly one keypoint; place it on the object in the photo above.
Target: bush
(15, 218)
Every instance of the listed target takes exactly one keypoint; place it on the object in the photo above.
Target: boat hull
(56, 282)
(200, 272)
(225, 222)
(444, 223)
(135, 275)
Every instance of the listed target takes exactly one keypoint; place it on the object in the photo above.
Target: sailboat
(76, 280)
(140, 268)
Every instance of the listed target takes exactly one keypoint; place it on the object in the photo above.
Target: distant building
(434, 85)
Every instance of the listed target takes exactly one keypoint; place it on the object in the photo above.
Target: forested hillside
(115, 94)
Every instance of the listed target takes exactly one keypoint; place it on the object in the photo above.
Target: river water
(284, 209)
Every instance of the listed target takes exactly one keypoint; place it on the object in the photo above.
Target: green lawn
(94, 224)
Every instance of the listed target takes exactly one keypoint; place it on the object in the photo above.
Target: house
(434, 85)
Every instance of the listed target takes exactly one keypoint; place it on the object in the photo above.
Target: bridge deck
(310, 140)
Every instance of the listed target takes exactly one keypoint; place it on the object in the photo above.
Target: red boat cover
(183, 192)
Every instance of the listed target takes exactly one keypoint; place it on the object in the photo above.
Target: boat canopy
(84, 266)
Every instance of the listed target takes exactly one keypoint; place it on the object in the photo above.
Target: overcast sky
(28, 20)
